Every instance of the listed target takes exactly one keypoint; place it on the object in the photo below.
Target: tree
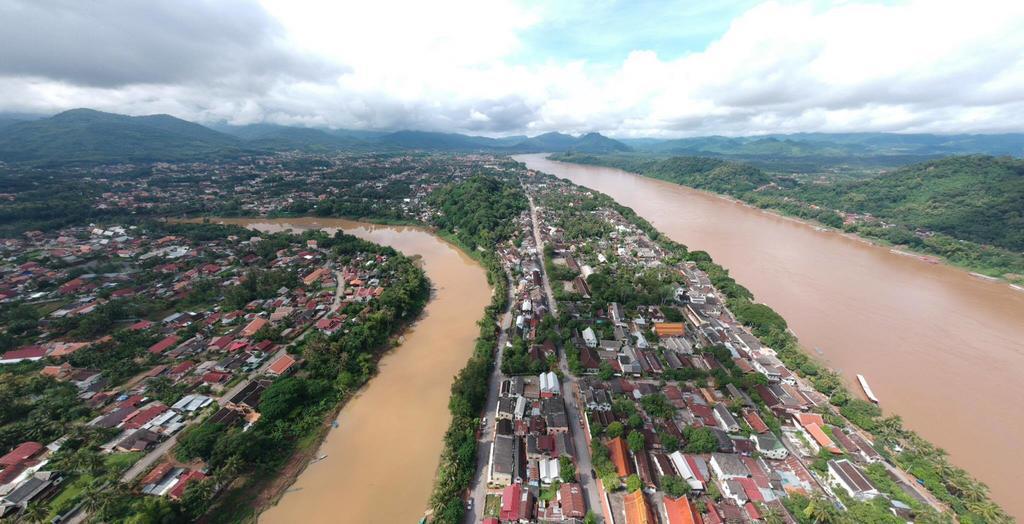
(699, 440)
(199, 442)
(614, 429)
(988, 510)
(566, 469)
(35, 514)
(674, 486)
(633, 483)
(635, 439)
(591, 518)
(820, 511)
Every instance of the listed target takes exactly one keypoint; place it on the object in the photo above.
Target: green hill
(967, 209)
(976, 198)
(87, 136)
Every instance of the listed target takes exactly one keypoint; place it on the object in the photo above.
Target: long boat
(867, 389)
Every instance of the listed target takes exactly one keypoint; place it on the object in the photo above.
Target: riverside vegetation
(967, 209)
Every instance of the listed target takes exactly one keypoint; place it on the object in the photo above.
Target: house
(282, 366)
(680, 511)
(549, 386)
(769, 446)
(728, 466)
(619, 454)
(844, 474)
(16, 461)
(165, 344)
(589, 337)
(31, 353)
(669, 329)
(254, 327)
(504, 454)
(636, 508)
(725, 419)
(38, 486)
(811, 425)
(517, 504)
(570, 499)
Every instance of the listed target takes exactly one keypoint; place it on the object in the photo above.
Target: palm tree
(820, 511)
(989, 511)
(35, 514)
(772, 515)
(973, 490)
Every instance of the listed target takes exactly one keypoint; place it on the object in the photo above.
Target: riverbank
(924, 335)
(412, 388)
(1002, 264)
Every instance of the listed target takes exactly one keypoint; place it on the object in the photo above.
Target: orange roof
(680, 511)
(620, 456)
(669, 329)
(822, 438)
(807, 419)
(637, 510)
(281, 365)
(254, 326)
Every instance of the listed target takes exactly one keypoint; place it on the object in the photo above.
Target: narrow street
(569, 388)
(478, 487)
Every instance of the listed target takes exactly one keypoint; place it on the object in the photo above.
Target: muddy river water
(941, 348)
(381, 459)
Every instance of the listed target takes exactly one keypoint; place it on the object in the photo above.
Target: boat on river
(867, 389)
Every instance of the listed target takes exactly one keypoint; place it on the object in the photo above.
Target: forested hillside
(968, 209)
(84, 135)
(976, 198)
(480, 210)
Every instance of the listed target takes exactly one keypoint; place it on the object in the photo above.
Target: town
(661, 406)
(633, 380)
(163, 349)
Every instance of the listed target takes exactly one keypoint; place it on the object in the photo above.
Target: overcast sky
(625, 68)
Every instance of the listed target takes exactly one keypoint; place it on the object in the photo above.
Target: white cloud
(920, 66)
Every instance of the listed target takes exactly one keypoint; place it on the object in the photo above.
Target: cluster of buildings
(701, 399)
(177, 331)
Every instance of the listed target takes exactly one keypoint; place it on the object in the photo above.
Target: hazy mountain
(838, 145)
(548, 142)
(85, 135)
(278, 137)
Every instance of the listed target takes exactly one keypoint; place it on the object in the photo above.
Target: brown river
(939, 347)
(380, 461)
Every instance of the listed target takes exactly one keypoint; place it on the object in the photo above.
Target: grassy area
(120, 462)
(67, 498)
(492, 506)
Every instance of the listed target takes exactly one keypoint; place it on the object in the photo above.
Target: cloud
(487, 68)
(112, 43)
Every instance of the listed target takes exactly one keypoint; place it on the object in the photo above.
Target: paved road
(158, 452)
(340, 292)
(540, 254)
(478, 487)
(569, 389)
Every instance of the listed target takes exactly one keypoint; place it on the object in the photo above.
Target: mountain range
(837, 145)
(89, 136)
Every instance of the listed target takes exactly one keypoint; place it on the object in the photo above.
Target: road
(160, 451)
(478, 487)
(570, 388)
(543, 270)
(339, 294)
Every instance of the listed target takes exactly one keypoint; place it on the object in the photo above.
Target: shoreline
(932, 460)
(271, 490)
(818, 226)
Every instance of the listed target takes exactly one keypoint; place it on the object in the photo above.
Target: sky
(633, 68)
